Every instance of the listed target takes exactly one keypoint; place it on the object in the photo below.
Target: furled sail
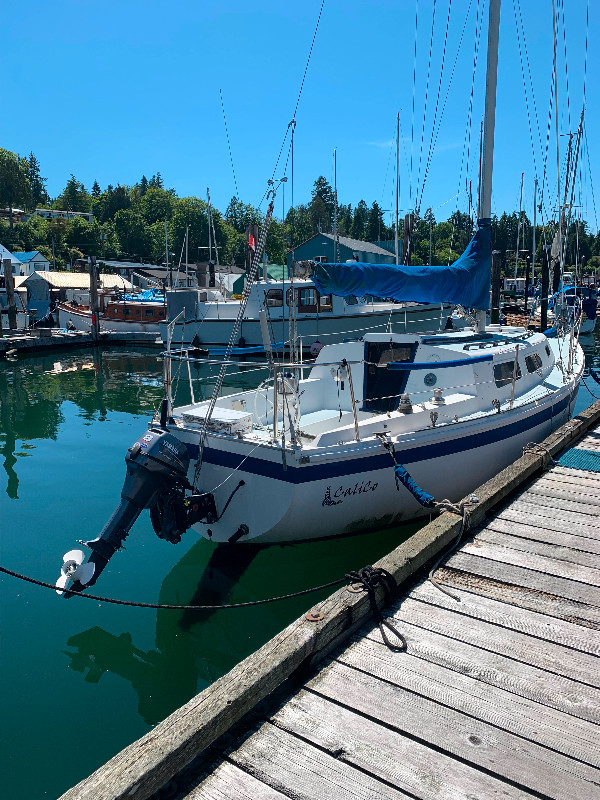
(467, 282)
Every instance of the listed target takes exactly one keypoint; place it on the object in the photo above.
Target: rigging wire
(466, 154)
(293, 121)
(237, 191)
(412, 124)
(439, 124)
(525, 86)
(531, 89)
(561, 6)
(437, 103)
(426, 99)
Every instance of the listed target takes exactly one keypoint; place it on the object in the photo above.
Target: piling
(544, 287)
(10, 294)
(495, 307)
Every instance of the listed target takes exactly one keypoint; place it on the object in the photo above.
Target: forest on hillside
(129, 224)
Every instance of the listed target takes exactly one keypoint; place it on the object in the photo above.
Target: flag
(251, 242)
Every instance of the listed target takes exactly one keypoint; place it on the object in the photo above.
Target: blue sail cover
(467, 282)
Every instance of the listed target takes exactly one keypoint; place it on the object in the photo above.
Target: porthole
(430, 379)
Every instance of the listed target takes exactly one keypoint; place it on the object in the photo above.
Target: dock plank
(535, 505)
(530, 597)
(563, 524)
(508, 641)
(529, 578)
(518, 677)
(478, 700)
(539, 563)
(564, 540)
(387, 755)
(229, 782)
(531, 544)
(563, 500)
(483, 745)
(503, 614)
(293, 767)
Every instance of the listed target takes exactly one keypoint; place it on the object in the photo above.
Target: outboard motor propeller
(157, 466)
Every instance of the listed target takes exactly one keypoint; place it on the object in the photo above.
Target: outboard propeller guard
(157, 465)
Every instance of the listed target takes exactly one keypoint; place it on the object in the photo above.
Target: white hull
(326, 328)
(341, 488)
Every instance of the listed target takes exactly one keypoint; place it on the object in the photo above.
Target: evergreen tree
(359, 222)
(14, 182)
(37, 184)
(143, 185)
(322, 206)
(73, 197)
(156, 182)
(96, 191)
(375, 225)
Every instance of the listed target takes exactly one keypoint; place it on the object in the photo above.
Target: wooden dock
(496, 696)
(43, 340)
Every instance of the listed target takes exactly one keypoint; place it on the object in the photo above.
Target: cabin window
(351, 300)
(326, 302)
(161, 313)
(137, 312)
(503, 373)
(548, 351)
(126, 312)
(321, 259)
(533, 362)
(383, 386)
(203, 297)
(306, 300)
(274, 298)
(148, 312)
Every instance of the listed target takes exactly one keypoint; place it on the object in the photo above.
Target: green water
(81, 679)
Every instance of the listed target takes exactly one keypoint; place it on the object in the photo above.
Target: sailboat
(325, 451)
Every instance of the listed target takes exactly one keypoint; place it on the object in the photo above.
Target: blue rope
(419, 494)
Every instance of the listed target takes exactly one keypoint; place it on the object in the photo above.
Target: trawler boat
(205, 318)
(141, 311)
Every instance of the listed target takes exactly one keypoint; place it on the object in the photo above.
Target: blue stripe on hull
(352, 466)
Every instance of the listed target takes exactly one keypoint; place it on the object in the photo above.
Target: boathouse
(322, 247)
(44, 288)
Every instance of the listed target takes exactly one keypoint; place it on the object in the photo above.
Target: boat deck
(497, 696)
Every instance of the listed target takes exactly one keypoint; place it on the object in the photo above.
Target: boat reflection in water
(192, 647)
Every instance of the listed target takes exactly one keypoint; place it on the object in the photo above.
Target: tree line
(129, 224)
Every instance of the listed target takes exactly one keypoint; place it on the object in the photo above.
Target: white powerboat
(205, 318)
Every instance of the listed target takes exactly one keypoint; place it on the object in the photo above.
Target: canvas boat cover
(467, 282)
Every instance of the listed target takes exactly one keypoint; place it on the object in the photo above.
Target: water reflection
(192, 647)
(33, 390)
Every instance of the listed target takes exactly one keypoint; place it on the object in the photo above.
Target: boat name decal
(341, 492)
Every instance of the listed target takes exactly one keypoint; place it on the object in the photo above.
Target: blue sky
(113, 90)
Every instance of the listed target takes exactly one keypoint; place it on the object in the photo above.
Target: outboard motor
(157, 466)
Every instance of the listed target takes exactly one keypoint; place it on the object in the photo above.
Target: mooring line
(175, 607)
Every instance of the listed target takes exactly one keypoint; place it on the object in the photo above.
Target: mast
(519, 228)
(485, 205)
(187, 239)
(397, 184)
(209, 233)
(535, 184)
(335, 219)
